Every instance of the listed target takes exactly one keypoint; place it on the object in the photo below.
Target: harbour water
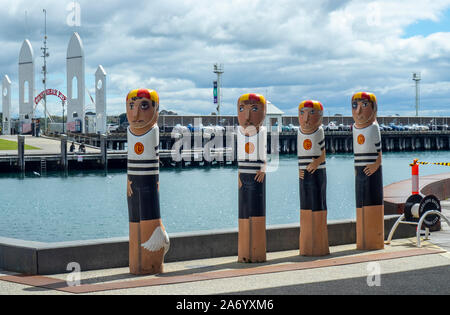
(92, 205)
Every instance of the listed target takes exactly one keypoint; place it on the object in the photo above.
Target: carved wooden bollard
(368, 173)
(149, 241)
(313, 180)
(251, 151)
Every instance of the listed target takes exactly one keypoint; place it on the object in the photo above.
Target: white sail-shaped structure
(75, 81)
(26, 82)
(100, 99)
(6, 105)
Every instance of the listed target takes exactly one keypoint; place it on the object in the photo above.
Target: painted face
(309, 119)
(251, 113)
(142, 114)
(363, 112)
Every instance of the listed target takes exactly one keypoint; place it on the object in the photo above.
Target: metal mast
(45, 54)
(417, 78)
(218, 69)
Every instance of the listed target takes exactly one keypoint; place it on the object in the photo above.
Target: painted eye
(241, 109)
(145, 105)
(355, 105)
(302, 112)
(312, 112)
(254, 109)
(365, 104)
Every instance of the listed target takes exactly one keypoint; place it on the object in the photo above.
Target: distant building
(167, 112)
(90, 122)
(274, 117)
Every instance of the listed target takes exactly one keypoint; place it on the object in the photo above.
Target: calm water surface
(90, 205)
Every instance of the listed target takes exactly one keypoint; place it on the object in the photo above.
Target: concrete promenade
(403, 269)
(400, 268)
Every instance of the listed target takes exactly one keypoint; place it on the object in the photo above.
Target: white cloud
(289, 49)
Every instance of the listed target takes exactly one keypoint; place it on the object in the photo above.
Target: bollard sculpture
(252, 151)
(313, 180)
(149, 241)
(368, 173)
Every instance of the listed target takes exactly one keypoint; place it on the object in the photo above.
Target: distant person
(72, 147)
(82, 148)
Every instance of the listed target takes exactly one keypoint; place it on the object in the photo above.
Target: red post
(415, 177)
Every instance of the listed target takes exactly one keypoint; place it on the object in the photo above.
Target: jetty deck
(192, 151)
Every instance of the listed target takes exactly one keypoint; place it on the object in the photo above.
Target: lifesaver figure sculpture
(313, 180)
(368, 173)
(252, 152)
(149, 241)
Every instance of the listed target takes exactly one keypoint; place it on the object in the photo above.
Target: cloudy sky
(288, 50)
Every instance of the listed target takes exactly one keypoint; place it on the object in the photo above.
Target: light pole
(218, 69)
(63, 117)
(417, 78)
(45, 54)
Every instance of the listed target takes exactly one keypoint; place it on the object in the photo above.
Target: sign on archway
(54, 92)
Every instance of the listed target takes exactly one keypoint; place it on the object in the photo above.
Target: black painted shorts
(143, 204)
(313, 190)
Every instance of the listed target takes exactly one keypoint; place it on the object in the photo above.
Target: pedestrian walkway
(46, 146)
(400, 268)
(283, 273)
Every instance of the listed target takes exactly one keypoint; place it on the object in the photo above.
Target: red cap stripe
(254, 97)
(144, 93)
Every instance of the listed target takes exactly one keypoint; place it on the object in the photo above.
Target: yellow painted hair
(367, 96)
(311, 104)
(252, 96)
(146, 93)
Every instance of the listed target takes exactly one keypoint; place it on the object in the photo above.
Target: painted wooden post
(368, 173)
(21, 152)
(64, 161)
(104, 151)
(149, 241)
(313, 180)
(252, 151)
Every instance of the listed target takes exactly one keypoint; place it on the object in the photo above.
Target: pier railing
(196, 149)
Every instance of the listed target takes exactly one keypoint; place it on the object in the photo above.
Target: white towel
(158, 240)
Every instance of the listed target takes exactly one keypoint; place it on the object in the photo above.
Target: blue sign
(215, 92)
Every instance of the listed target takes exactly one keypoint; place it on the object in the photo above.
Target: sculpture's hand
(301, 174)
(312, 167)
(370, 169)
(260, 176)
(129, 189)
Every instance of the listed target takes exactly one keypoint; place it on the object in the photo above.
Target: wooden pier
(103, 152)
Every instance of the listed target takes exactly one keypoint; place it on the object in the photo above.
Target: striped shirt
(252, 151)
(143, 153)
(310, 147)
(366, 144)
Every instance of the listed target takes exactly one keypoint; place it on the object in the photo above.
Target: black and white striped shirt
(143, 153)
(252, 151)
(310, 147)
(366, 144)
